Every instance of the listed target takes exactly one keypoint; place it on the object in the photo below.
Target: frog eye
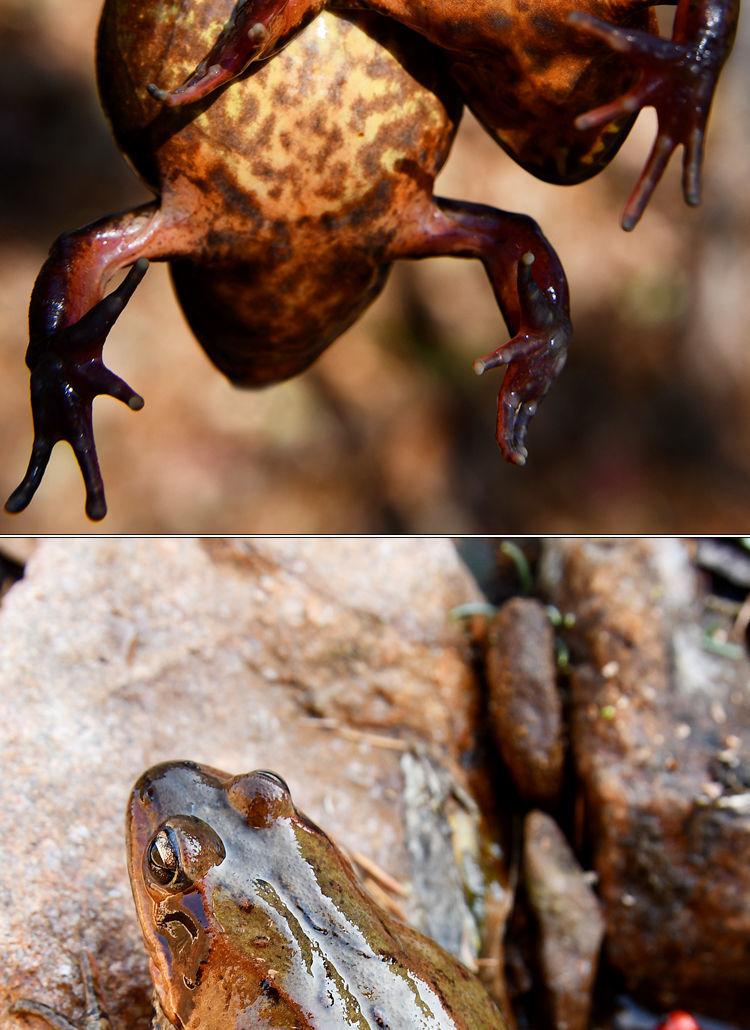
(262, 798)
(163, 858)
(182, 851)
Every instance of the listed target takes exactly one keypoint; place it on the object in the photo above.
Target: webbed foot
(535, 356)
(94, 1017)
(67, 373)
(678, 78)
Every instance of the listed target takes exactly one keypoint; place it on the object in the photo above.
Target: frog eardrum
(293, 151)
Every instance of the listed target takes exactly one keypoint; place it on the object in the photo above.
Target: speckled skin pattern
(527, 74)
(556, 82)
(283, 197)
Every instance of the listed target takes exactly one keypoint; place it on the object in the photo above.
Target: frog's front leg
(94, 1016)
(69, 319)
(531, 289)
(255, 30)
(678, 77)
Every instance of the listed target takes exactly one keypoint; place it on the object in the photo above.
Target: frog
(557, 83)
(281, 200)
(253, 917)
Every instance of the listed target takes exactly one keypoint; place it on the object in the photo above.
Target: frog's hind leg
(530, 287)
(69, 320)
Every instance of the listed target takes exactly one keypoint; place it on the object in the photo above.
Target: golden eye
(181, 852)
(163, 859)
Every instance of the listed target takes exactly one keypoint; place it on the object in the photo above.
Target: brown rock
(323, 660)
(569, 920)
(525, 708)
(661, 736)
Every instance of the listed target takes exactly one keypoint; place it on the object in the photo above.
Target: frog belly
(261, 325)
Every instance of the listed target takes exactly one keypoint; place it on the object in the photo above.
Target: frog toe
(94, 1017)
(658, 159)
(21, 497)
(517, 404)
(513, 422)
(535, 357)
(27, 1007)
(200, 84)
(88, 463)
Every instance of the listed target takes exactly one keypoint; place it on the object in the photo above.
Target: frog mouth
(179, 947)
(174, 936)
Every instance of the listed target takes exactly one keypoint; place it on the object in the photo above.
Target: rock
(660, 734)
(17, 549)
(525, 708)
(568, 918)
(725, 558)
(324, 660)
(441, 879)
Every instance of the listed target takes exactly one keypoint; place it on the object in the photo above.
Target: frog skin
(558, 83)
(282, 200)
(252, 917)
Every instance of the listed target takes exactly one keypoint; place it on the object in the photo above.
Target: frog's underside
(286, 190)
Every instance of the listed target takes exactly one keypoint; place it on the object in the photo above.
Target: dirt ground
(646, 430)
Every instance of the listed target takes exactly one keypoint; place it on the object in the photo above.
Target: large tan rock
(324, 660)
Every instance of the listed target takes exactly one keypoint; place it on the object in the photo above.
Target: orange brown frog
(557, 82)
(252, 917)
(282, 200)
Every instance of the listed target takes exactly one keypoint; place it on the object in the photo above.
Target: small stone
(525, 708)
(569, 920)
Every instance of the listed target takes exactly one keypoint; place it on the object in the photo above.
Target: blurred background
(646, 431)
